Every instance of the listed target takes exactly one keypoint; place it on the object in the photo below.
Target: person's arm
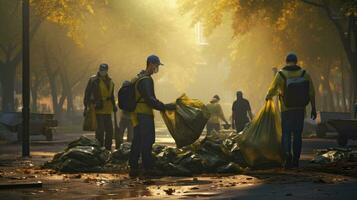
(250, 114)
(146, 89)
(249, 110)
(112, 98)
(233, 123)
(87, 94)
(312, 99)
(233, 115)
(274, 87)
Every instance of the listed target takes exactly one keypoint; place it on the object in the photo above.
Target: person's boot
(295, 163)
(288, 162)
(134, 173)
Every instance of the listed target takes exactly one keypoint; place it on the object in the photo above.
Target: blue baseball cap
(154, 60)
(103, 67)
(291, 57)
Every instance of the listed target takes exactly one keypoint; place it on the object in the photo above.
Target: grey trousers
(104, 132)
(125, 124)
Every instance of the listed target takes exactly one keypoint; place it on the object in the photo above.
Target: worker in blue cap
(143, 118)
(100, 93)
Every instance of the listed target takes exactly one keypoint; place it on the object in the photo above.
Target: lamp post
(25, 78)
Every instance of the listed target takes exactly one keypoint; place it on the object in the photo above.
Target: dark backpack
(126, 96)
(296, 91)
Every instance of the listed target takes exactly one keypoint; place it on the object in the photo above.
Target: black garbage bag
(210, 161)
(236, 155)
(176, 170)
(169, 154)
(230, 168)
(158, 148)
(78, 157)
(187, 122)
(84, 141)
(86, 154)
(217, 149)
(73, 165)
(193, 163)
(228, 144)
(180, 156)
(122, 154)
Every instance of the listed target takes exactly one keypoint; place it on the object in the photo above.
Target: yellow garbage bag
(187, 122)
(260, 141)
(90, 120)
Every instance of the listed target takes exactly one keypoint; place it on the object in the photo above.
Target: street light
(25, 78)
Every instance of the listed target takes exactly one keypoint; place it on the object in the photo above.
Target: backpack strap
(303, 73)
(282, 75)
(136, 82)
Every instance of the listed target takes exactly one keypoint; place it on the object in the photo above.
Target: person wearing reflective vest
(100, 92)
(295, 90)
(143, 118)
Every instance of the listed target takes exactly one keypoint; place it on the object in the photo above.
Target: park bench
(40, 124)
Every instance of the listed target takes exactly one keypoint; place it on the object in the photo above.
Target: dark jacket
(92, 93)
(146, 88)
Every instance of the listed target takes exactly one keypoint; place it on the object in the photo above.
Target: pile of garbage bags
(216, 153)
(81, 155)
(187, 122)
(257, 146)
(332, 155)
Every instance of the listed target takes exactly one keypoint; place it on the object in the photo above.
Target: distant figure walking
(215, 109)
(241, 112)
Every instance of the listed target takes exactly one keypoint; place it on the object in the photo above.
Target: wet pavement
(308, 182)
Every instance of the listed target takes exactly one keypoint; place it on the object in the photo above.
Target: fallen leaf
(169, 191)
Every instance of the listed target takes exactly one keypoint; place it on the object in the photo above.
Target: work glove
(313, 113)
(170, 106)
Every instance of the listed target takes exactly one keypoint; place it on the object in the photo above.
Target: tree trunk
(54, 95)
(7, 76)
(67, 91)
(354, 88)
(344, 90)
(330, 106)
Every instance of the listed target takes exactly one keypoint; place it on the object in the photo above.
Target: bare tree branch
(313, 3)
